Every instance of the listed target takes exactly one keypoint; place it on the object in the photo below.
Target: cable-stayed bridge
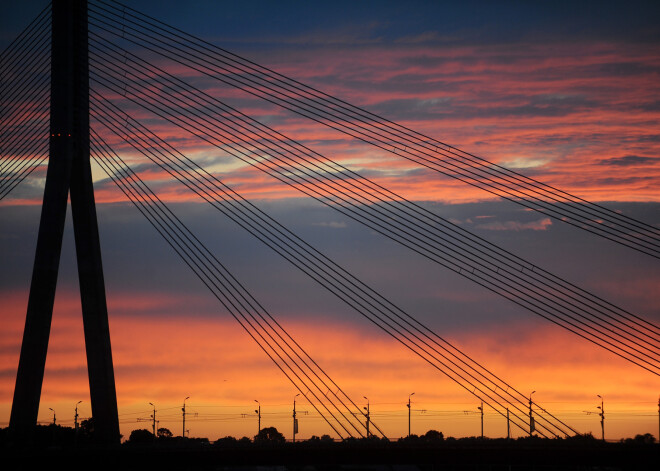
(102, 61)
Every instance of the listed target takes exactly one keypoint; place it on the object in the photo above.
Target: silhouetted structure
(68, 171)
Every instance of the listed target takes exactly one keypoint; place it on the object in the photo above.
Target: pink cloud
(560, 108)
(539, 225)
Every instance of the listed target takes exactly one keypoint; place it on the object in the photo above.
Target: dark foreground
(57, 447)
(507, 457)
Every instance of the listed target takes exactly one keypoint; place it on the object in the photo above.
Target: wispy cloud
(555, 113)
(331, 224)
(630, 160)
(539, 225)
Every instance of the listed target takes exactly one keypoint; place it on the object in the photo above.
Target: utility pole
(369, 417)
(295, 421)
(258, 412)
(153, 418)
(531, 417)
(411, 394)
(508, 425)
(53, 415)
(75, 423)
(481, 409)
(183, 411)
(75, 418)
(602, 417)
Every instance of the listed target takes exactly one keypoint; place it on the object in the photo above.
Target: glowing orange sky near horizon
(215, 363)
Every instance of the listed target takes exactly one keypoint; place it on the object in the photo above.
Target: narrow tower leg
(94, 309)
(29, 378)
(88, 250)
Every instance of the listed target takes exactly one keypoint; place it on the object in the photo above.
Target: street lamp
(295, 421)
(368, 416)
(258, 412)
(602, 416)
(409, 396)
(183, 410)
(481, 408)
(153, 417)
(53, 415)
(531, 417)
(75, 418)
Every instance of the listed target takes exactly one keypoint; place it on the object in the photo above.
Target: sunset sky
(568, 94)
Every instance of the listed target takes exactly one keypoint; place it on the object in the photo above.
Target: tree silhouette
(269, 434)
(87, 428)
(164, 433)
(226, 441)
(141, 436)
(433, 436)
(646, 439)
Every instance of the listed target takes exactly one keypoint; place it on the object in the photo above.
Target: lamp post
(368, 416)
(75, 418)
(183, 411)
(295, 421)
(531, 417)
(258, 411)
(53, 415)
(409, 396)
(602, 416)
(481, 408)
(153, 417)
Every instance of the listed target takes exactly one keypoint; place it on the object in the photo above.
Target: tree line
(61, 436)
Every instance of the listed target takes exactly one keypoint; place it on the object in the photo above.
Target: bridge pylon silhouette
(69, 173)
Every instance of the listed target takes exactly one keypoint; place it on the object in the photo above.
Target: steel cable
(231, 284)
(120, 91)
(359, 302)
(187, 58)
